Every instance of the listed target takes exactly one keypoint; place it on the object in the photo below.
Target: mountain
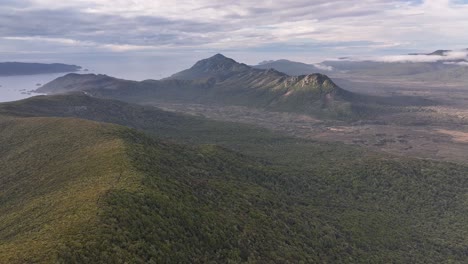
(22, 68)
(80, 191)
(294, 68)
(220, 80)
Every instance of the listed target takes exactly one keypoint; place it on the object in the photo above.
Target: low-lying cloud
(458, 57)
(323, 67)
(459, 63)
(448, 56)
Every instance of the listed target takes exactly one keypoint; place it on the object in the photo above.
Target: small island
(23, 68)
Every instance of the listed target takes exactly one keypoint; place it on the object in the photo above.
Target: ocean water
(19, 87)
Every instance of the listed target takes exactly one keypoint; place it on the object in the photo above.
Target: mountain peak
(216, 62)
(217, 66)
(218, 56)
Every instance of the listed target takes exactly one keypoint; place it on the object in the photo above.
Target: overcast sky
(249, 31)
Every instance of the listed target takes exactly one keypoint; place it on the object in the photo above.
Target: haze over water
(18, 87)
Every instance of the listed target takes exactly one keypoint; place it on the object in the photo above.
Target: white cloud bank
(323, 67)
(448, 56)
(460, 63)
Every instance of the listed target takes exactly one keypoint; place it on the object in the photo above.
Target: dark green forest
(159, 187)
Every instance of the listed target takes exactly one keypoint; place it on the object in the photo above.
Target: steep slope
(23, 68)
(163, 202)
(293, 68)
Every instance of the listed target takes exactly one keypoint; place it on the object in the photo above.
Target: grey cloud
(101, 28)
(226, 24)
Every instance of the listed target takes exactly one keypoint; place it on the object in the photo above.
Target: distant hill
(22, 68)
(79, 191)
(294, 68)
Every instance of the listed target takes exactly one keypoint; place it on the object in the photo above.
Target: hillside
(23, 68)
(95, 193)
(220, 80)
(53, 173)
(149, 200)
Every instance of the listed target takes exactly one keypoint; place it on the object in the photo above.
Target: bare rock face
(314, 79)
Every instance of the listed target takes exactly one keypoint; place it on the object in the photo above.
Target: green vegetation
(53, 173)
(78, 191)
